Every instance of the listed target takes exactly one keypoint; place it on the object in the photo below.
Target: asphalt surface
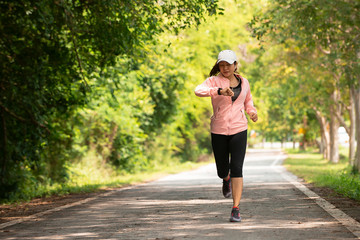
(190, 205)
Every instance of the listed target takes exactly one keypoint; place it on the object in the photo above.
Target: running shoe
(226, 188)
(235, 215)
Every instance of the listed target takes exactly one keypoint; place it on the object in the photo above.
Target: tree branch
(342, 121)
(69, 16)
(327, 52)
(12, 114)
(23, 119)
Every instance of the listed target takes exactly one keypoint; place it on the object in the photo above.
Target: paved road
(190, 206)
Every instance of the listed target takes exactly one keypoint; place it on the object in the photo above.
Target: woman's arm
(207, 88)
(249, 104)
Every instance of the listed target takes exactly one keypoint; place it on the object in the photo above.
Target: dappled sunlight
(143, 210)
(100, 94)
(190, 205)
(278, 225)
(255, 185)
(305, 155)
(173, 202)
(259, 159)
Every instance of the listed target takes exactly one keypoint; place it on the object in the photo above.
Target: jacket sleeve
(207, 88)
(249, 104)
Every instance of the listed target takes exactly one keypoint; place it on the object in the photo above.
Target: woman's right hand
(227, 92)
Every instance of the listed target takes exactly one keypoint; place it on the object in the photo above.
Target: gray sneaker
(235, 215)
(226, 188)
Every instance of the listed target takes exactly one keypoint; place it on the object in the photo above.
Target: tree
(49, 50)
(326, 27)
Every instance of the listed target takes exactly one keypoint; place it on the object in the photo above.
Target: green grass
(90, 175)
(314, 169)
(84, 176)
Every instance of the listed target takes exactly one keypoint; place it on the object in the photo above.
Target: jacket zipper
(231, 114)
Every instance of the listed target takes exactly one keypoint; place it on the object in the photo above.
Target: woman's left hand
(253, 116)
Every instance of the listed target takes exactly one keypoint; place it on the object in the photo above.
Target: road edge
(351, 224)
(39, 214)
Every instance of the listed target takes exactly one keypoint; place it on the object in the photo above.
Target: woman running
(231, 97)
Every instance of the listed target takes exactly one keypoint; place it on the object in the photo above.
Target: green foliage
(93, 93)
(307, 47)
(310, 62)
(345, 183)
(324, 31)
(52, 54)
(314, 169)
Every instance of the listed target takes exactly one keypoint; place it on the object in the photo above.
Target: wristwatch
(219, 93)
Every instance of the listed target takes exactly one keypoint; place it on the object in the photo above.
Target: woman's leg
(237, 188)
(221, 153)
(237, 149)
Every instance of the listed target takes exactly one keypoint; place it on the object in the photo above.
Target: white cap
(227, 56)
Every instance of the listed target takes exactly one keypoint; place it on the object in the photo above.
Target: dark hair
(215, 69)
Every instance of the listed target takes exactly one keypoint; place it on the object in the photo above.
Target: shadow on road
(190, 206)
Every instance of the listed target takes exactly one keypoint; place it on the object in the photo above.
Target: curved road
(190, 205)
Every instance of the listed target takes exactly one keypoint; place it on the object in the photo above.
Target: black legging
(235, 145)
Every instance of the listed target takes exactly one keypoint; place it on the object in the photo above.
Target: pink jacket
(228, 118)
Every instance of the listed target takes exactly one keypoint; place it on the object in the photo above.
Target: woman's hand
(227, 92)
(253, 116)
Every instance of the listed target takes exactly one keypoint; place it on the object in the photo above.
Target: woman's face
(227, 69)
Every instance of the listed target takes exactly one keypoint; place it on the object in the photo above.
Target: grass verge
(91, 175)
(313, 168)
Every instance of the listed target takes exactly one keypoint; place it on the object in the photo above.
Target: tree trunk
(3, 148)
(334, 127)
(357, 115)
(108, 148)
(334, 139)
(293, 138)
(352, 133)
(303, 141)
(325, 134)
(350, 129)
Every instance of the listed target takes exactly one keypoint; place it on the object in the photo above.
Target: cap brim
(225, 60)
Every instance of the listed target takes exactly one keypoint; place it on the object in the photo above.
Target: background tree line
(311, 68)
(71, 82)
(114, 80)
